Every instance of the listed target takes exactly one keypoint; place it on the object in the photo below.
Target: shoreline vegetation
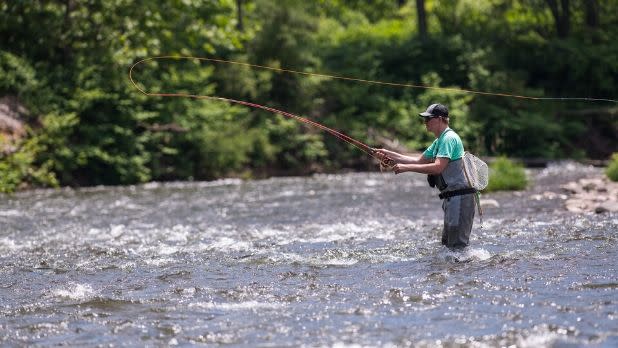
(69, 116)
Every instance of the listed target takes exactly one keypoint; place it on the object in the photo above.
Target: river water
(350, 260)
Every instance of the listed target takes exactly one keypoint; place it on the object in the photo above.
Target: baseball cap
(435, 110)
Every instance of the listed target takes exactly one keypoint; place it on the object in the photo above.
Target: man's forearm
(413, 167)
(424, 168)
(403, 159)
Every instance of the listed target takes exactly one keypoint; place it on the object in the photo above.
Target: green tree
(67, 62)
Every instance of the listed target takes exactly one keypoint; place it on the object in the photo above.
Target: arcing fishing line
(383, 83)
(386, 162)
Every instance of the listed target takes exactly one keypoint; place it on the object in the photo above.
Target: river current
(350, 260)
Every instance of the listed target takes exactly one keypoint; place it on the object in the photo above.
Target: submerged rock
(606, 207)
(571, 188)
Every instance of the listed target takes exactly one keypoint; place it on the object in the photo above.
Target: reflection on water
(329, 260)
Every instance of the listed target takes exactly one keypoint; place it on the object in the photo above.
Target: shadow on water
(328, 260)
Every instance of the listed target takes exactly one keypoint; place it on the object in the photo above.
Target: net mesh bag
(476, 171)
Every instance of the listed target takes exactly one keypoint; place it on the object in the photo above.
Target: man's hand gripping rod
(386, 163)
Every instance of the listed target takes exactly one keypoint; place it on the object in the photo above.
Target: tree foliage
(67, 62)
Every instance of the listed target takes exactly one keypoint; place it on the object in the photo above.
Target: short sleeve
(431, 150)
(448, 148)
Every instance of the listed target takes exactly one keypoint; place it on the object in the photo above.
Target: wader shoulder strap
(449, 194)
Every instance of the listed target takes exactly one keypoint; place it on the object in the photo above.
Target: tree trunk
(592, 13)
(421, 15)
(400, 3)
(562, 16)
(239, 15)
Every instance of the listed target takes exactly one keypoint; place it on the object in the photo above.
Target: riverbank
(562, 187)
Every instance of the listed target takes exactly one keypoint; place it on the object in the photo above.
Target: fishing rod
(384, 161)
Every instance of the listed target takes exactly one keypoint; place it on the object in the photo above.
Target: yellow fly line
(353, 79)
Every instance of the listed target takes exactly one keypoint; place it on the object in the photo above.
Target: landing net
(476, 171)
(477, 174)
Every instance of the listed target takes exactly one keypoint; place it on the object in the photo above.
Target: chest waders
(458, 204)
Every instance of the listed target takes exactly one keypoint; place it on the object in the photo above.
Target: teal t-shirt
(447, 145)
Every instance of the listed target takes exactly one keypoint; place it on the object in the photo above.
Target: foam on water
(178, 234)
(9, 245)
(354, 345)
(546, 339)
(75, 291)
(164, 249)
(117, 231)
(467, 255)
(225, 244)
(158, 262)
(248, 305)
(11, 212)
(192, 185)
(555, 169)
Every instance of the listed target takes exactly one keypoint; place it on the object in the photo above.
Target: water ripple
(330, 260)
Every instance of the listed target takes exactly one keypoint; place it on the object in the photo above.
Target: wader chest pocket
(437, 180)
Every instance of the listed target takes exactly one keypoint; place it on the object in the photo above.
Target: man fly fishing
(443, 164)
(456, 179)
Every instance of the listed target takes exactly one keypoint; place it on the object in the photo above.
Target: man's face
(430, 123)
